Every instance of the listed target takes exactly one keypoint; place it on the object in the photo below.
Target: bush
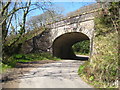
(102, 72)
(82, 47)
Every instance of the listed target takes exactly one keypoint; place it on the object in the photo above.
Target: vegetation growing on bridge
(102, 70)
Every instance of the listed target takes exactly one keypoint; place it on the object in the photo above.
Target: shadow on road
(80, 57)
(21, 68)
(24, 67)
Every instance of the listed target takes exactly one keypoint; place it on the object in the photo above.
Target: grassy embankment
(102, 72)
(16, 58)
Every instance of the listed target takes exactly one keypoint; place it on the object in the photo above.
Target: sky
(66, 7)
(51, 0)
(71, 6)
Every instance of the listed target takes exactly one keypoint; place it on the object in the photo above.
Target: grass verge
(21, 58)
(88, 76)
(3, 67)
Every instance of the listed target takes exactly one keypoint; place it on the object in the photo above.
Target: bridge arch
(62, 45)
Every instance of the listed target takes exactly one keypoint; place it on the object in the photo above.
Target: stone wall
(37, 44)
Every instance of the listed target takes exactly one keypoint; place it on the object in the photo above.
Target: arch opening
(82, 49)
(62, 45)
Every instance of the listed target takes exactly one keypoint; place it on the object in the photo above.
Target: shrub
(82, 47)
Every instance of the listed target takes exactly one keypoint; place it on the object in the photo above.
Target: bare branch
(11, 14)
(5, 7)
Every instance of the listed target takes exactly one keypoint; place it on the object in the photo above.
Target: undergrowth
(82, 48)
(18, 58)
(3, 67)
(102, 70)
(12, 38)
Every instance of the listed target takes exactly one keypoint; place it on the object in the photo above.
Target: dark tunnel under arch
(62, 45)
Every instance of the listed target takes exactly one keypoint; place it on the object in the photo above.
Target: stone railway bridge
(60, 37)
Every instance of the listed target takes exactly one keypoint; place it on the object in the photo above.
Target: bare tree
(14, 15)
(25, 7)
(41, 20)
